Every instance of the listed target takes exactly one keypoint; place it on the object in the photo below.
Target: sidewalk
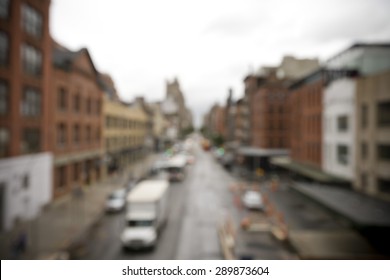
(66, 221)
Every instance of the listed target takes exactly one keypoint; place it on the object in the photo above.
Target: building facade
(125, 130)
(175, 111)
(373, 135)
(160, 125)
(24, 117)
(305, 100)
(76, 123)
(338, 127)
(270, 115)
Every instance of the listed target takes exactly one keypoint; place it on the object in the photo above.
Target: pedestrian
(19, 246)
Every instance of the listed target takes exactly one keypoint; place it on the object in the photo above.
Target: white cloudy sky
(210, 45)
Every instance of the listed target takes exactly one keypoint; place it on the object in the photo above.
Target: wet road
(196, 206)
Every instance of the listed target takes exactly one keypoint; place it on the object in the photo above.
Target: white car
(116, 201)
(253, 200)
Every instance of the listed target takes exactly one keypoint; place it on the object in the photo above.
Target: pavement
(65, 223)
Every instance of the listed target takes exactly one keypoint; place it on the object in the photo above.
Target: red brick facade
(270, 117)
(76, 138)
(305, 103)
(24, 77)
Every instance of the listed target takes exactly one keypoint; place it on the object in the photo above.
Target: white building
(338, 136)
(25, 187)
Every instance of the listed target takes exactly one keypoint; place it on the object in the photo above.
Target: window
(62, 98)
(383, 185)
(76, 171)
(61, 177)
(4, 49)
(384, 152)
(342, 123)
(363, 180)
(88, 131)
(31, 21)
(97, 135)
(88, 105)
(4, 142)
(61, 135)
(4, 8)
(26, 182)
(76, 134)
(31, 140)
(383, 112)
(76, 103)
(342, 154)
(3, 98)
(98, 107)
(364, 115)
(31, 103)
(32, 60)
(363, 149)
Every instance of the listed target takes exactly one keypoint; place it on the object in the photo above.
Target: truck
(146, 214)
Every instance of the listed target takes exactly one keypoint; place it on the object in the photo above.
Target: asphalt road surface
(197, 204)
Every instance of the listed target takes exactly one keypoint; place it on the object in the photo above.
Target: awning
(306, 170)
(259, 152)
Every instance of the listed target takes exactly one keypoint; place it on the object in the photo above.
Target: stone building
(373, 135)
(125, 130)
(174, 108)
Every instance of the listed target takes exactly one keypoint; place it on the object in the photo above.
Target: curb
(224, 241)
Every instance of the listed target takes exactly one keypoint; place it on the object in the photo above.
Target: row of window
(31, 20)
(312, 124)
(31, 56)
(91, 106)
(343, 153)
(90, 135)
(30, 105)
(312, 96)
(124, 141)
(383, 114)
(342, 124)
(79, 171)
(383, 185)
(31, 141)
(115, 122)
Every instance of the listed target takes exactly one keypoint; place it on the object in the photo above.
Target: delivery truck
(146, 214)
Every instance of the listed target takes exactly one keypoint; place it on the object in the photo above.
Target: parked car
(116, 200)
(253, 200)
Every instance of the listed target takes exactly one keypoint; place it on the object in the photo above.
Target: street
(198, 206)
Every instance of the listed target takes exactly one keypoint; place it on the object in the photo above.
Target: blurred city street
(142, 130)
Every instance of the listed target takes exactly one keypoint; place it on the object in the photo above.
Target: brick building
(270, 114)
(24, 77)
(306, 119)
(25, 177)
(76, 123)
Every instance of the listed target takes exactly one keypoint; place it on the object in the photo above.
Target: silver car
(116, 201)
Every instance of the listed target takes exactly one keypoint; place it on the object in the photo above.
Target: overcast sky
(210, 45)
